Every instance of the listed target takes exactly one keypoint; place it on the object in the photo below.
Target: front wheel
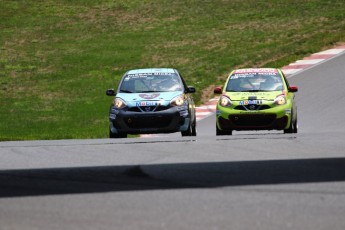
(293, 128)
(117, 135)
(191, 131)
(194, 129)
(220, 132)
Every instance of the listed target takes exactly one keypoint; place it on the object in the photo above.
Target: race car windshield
(151, 82)
(254, 82)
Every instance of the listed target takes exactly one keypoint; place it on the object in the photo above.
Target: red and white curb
(312, 60)
(209, 107)
(206, 110)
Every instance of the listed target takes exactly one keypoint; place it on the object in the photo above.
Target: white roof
(151, 70)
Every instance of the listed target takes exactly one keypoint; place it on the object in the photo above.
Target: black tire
(295, 130)
(188, 132)
(222, 132)
(191, 131)
(194, 129)
(117, 135)
(292, 128)
(289, 130)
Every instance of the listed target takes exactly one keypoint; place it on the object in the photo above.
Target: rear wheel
(220, 132)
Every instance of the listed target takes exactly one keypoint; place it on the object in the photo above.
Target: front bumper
(277, 118)
(167, 121)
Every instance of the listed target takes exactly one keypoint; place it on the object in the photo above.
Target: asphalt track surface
(251, 180)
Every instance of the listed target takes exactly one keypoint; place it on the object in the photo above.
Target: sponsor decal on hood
(149, 96)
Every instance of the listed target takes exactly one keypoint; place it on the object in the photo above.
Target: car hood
(240, 96)
(163, 97)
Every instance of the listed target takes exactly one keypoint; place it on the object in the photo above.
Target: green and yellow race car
(256, 99)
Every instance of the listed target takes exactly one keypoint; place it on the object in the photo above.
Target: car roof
(151, 70)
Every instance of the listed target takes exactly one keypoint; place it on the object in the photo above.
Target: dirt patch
(207, 94)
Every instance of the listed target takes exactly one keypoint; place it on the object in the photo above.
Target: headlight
(119, 103)
(225, 101)
(177, 101)
(280, 100)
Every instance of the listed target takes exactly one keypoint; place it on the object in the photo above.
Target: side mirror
(293, 88)
(190, 89)
(218, 90)
(110, 92)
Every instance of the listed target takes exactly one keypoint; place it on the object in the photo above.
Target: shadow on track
(38, 182)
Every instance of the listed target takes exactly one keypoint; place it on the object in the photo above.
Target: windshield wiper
(257, 90)
(148, 91)
(125, 91)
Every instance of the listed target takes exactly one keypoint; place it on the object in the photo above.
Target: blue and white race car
(149, 101)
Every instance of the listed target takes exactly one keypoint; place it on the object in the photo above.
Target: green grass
(57, 58)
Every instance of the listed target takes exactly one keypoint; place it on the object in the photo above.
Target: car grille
(252, 119)
(148, 122)
(143, 109)
(252, 107)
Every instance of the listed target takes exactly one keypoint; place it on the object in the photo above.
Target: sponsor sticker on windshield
(147, 75)
(242, 75)
(260, 70)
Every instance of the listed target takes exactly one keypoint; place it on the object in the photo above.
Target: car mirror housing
(293, 88)
(218, 90)
(110, 92)
(191, 89)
